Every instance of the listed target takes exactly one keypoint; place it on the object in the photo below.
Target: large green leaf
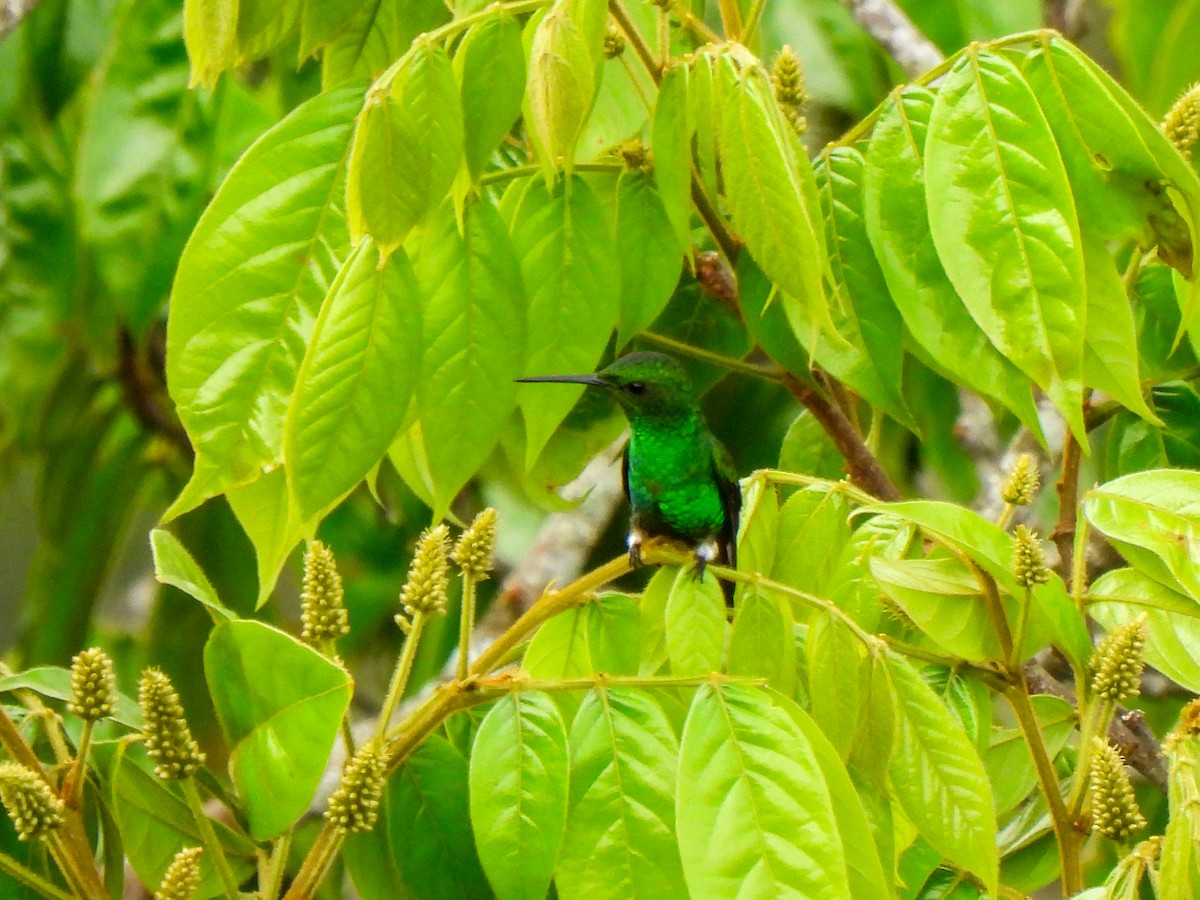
(173, 565)
(519, 794)
(490, 64)
(671, 141)
(761, 643)
(695, 623)
(210, 32)
(620, 837)
(356, 380)
(871, 358)
(407, 146)
(422, 845)
(648, 253)
(1153, 518)
(897, 221)
(771, 194)
(1004, 223)
(474, 343)
(599, 636)
(567, 249)
(938, 778)
(268, 514)
(281, 705)
(374, 36)
(813, 529)
(835, 660)
(754, 813)
(248, 289)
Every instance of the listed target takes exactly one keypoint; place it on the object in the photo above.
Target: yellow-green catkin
(1029, 560)
(169, 741)
(1117, 662)
(1182, 122)
(476, 546)
(614, 42)
(182, 877)
(354, 806)
(788, 80)
(30, 802)
(1115, 812)
(323, 615)
(1022, 483)
(93, 685)
(428, 577)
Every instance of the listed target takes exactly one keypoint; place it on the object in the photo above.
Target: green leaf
(490, 64)
(871, 356)
(323, 20)
(758, 525)
(55, 682)
(156, 822)
(422, 845)
(354, 385)
(262, 25)
(1007, 759)
(808, 448)
(377, 34)
(1004, 223)
(560, 88)
(1153, 519)
(813, 528)
(695, 623)
(267, 513)
(599, 636)
(407, 146)
(652, 649)
(210, 32)
(173, 565)
(897, 220)
(562, 237)
(938, 778)
(835, 669)
(247, 292)
(649, 257)
(519, 777)
(671, 142)
(753, 810)
(281, 705)
(765, 320)
(620, 837)
(1172, 623)
(761, 643)
(474, 343)
(771, 195)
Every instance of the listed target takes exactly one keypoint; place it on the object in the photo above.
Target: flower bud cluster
(1117, 662)
(323, 614)
(169, 741)
(614, 42)
(31, 805)
(93, 685)
(1022, 483)
(1115, 812)
(1182, 122)
(475, 548)
(1029, 560)
(788, 80)
(354, 806)
(182, 877)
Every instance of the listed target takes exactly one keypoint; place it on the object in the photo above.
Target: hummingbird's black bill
(567, 379)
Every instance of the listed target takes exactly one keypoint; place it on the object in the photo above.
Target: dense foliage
(259, 303)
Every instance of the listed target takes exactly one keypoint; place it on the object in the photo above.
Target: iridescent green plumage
(680, 480)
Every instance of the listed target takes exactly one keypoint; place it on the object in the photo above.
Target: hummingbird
(680, 480)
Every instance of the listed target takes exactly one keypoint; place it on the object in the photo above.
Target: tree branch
(142, 390)
(12, 12)
(896, 33)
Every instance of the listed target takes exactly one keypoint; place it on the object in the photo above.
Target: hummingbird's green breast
(672, 483)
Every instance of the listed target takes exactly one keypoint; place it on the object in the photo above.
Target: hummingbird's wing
(726, 477)
(625, 471)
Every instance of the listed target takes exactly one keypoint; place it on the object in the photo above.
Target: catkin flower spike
(474, 550)
(1117, 662)
(428, 575)
(1182, 122)
(182, 877)
(1029, 559)
(32, 806)
(1022, 483)
(788, 80)
(354, 806)
(323, 615)
(169, 741)
(1115, 812)
(93, 685)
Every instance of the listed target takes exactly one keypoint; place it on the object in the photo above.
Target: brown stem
(635, 39)
(864, 469)
(142, 390)
(1067, 489)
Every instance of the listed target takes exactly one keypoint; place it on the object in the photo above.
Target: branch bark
(896, 33)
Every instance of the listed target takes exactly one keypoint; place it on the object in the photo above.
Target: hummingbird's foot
(634, 543)
(705, 553)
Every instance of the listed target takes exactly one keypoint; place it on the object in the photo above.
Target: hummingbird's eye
(636, 387)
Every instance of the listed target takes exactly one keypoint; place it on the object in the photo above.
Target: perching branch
(896, 33)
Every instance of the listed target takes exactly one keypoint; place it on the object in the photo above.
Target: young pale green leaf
(754, 813)
(247, 291)
(967, 697)
(870, 357)
(490, 64)
(376, 35)
(155, 823)
(263, 25)
(1172, 621)
(1153, 518)
(620, 837)
(519, 776)
(938, 778)
(758, 526)
(652, 648)
(671, 142)
(761, 643)
(695, 624)
(897, 220)
(173, 565)
(648, 255)
(566, 247)
(1004, 223)
(1007, 760)
(210, 32)
(407, 146)
(356, 381)
(281, 705)
(771, 196)
(835, 669)
(813, 528)
(422, 845)
(599, 636)
(323, 20)
(871, 753)
(268, 514)
(474, 322)
(560, 87)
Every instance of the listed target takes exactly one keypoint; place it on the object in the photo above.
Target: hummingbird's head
(647, 385)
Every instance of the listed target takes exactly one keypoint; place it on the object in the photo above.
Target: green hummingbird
(680, 480)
